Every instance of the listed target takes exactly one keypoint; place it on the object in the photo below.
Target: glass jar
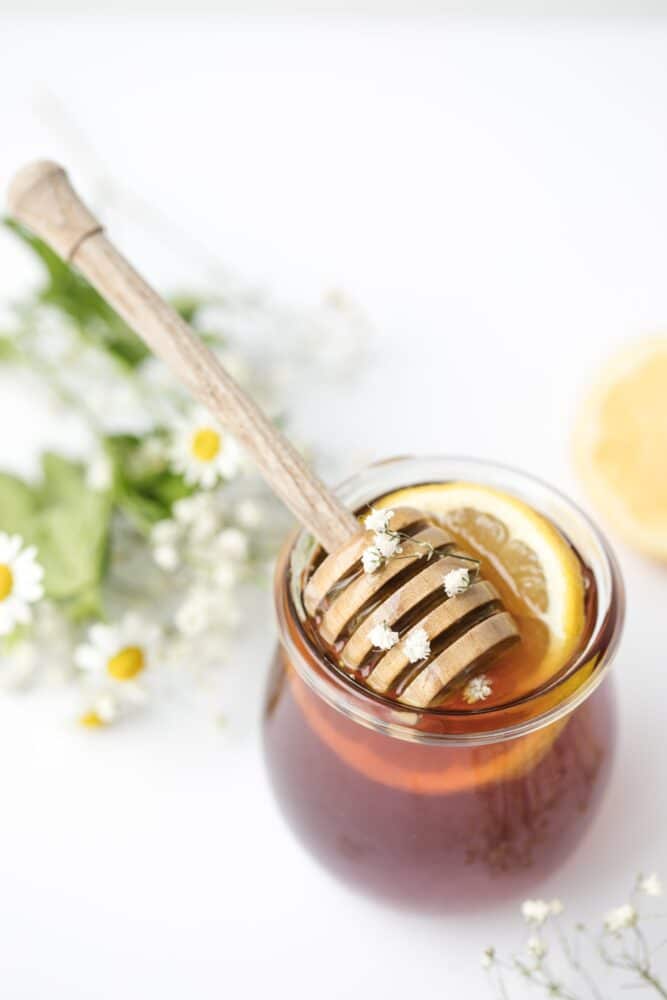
(435, 808)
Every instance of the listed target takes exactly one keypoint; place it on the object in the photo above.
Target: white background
(494, 192)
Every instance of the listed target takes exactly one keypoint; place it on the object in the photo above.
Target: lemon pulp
(536, 572)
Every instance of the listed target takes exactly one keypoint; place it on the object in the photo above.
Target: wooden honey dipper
(405, 592)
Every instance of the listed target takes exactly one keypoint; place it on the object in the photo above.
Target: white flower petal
(650, 885)
(456, 581)
(386, 543)
(371, 559)
(382, 637)
(416, 645)
(378, 520)
(478, 689)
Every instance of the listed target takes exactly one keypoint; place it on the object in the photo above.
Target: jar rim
(379, 712)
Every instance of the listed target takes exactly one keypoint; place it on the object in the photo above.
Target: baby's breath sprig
(552, 959)
(390, 544)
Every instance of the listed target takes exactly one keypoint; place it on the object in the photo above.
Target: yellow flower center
(205, 444)
(91, 720)
(6, 581)
(126, 664)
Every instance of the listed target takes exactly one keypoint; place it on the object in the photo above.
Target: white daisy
(378, 520)
(386, 543)
(102, 711)
(477, 689)
(456, 581)
(121, 652)
(416, 645)
(371, 559)
(20, 582)
(619, 918)
(202, 451)
(382, 637)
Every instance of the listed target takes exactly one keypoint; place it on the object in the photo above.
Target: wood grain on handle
(42, 198)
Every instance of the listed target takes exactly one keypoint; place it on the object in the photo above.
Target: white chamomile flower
(103, 711)
(477, 689)
(535, 911)
(386, 543)
(382, 637)
(556, 907)
(378, 520)
(202, 451)
(121, 652)
(416, 645)
(456, 581)
(371, 559)
(620, 918)
(650, 885)
(20, 582)
(536, 947)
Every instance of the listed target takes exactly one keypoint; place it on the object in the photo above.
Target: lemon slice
(621, 444)
(522, 553)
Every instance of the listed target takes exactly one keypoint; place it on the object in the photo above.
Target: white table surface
(495, 194)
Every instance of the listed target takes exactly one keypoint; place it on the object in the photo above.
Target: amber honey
(449, 806)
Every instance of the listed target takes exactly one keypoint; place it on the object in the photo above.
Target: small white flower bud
(382, 637)
(456, 581)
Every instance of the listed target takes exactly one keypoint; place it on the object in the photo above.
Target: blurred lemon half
(620, 444)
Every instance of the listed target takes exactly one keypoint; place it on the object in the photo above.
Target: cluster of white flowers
(172, 595)
(456, 581)
(478, 688)
(613, 949)
(416, 644)
(538, 911)
(386, 543)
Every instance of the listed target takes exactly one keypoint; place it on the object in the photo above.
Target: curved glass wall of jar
(424, 806)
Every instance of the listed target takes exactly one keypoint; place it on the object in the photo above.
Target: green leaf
(72, 540)
(68, 523)
(66, 290)
(8, 351)
(187, 306)
(145, 495)
(63, 479)
(17, 504)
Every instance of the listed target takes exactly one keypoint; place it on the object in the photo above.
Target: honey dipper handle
(42, 198)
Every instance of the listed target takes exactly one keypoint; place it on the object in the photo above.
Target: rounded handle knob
(42, 198)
